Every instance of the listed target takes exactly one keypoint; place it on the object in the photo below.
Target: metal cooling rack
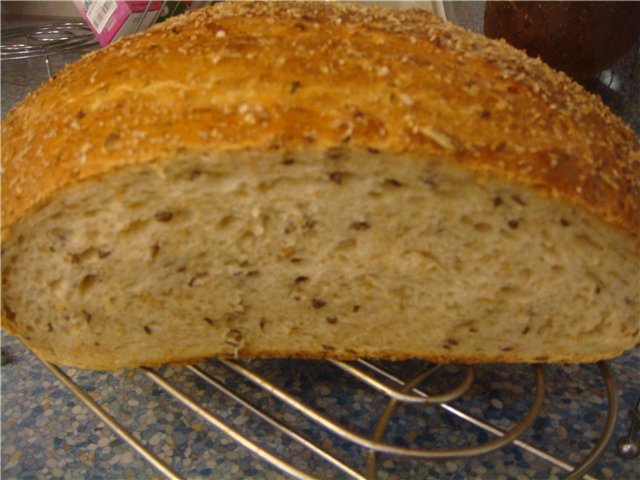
(52, 39)
(45, 41)
(380, 380)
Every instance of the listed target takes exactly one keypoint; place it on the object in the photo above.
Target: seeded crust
(276, 75)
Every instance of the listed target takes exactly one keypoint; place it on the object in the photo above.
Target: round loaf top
(299, 76)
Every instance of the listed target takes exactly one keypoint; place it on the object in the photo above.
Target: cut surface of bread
(273, 179)
(311, 254)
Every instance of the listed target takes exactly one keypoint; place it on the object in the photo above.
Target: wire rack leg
(48, 65)
(629, 445)
(612, 414)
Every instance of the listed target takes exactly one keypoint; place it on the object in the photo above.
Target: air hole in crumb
(288, 161)
(588, 241)
(225, 221)
(49, 327)
(263, 322)
(331, 348)
(507, 349)
(346, 244)
(87, 282)
(564, 222)
(373, 150)
(197, 280)
(482, 227)
(147, 329)
(513, 224)
(332, 320)
(209, 320)
(154, 251)
(133, 227)
(545, 327)
(356, 308)
(195, 173)
(300, 279)
(509, 289)
(597, 290)
(234, 337)
(295, 260)
(181, 269)
(525, 330)
(294, 87)
(452, 341)
(497, 201)
(111, 139)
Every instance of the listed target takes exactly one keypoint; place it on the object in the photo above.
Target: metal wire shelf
(43, 41)
(396, 392)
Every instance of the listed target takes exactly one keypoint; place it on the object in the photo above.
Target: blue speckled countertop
(48, 433)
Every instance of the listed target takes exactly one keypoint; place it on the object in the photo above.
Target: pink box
(111, 19)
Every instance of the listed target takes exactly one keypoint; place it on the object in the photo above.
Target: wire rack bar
(381, 447)
(194, 406)
(403, 397)
(275, 423)
(371, 445)
(45, 40)
(487, 427)
(111, 422)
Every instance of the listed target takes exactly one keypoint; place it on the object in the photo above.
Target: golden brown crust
(292, 76)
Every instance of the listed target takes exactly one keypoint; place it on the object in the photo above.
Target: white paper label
(99, 12)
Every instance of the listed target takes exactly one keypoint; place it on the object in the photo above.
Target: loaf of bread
(317, 180)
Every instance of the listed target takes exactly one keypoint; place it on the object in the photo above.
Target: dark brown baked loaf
(274, 179)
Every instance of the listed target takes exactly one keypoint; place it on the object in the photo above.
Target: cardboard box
(111, 19)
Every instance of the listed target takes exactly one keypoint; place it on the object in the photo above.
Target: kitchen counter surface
(48, 433)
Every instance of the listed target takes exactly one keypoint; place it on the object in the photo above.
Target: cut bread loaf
(312, 180)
